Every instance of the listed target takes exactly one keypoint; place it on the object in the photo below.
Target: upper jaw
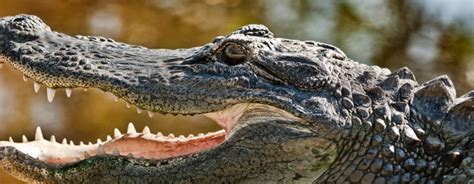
(182, 81)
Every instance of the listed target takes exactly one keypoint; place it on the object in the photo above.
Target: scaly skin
(352, 122)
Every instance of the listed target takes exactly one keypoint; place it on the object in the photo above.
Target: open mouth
(131, 143)
(194, 81)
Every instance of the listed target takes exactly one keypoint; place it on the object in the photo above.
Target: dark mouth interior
(145, 143)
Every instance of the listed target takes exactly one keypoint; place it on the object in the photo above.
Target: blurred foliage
(391, 34)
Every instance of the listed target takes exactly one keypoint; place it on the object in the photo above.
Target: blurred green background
(432, 37)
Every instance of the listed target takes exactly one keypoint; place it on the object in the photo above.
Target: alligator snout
(21, 28)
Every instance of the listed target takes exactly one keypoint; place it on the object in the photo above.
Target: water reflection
(431, 37)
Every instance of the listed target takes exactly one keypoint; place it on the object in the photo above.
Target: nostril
(18, 19)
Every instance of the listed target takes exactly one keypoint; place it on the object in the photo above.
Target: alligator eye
(234, 54)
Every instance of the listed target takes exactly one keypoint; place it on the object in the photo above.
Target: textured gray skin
(359, 123)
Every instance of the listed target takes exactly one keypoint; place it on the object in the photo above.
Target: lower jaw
(144, 144)
(133, 144)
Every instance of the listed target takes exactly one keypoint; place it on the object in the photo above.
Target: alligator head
(290, 111)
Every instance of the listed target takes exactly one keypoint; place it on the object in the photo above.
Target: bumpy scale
(291, 111)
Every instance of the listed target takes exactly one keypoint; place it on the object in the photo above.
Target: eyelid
(235, 51)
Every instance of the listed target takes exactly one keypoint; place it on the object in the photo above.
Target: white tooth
(146, 130)
(200, 134)
(101, 150)
(90, 144)
(38, 134)
(64, 141)
(116, 99)
(181, 137)
(50, 93)
(159, 134)
(115, 152)
(171, 135)
(71, 143)
(25, 78)
(131, 128)
(190, 136)
(85, 89)
(36, 86)
(128, 105)
(81, 143)
(99, 141)
(53, 139)
(150, 114)
(139, 111)
(109, 138)
(117, 133)
(10, 139)
(24, 139)
(68, 92)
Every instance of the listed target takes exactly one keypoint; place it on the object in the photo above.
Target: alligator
(290, 111)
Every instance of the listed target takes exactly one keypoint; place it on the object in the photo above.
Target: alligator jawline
(131, 144)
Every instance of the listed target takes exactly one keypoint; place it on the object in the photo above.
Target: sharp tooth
(139, 111)
(99, 141)
(131, 128)
(25, 78)
(146, 130)
(190, 136)
(38, 134)
(24, 139)
(50, 93)
(53, 139)
(90, 144)
(181, 137)
(109, 138)
(64, 141)
(81, 143)
(128, 105)
(117, 133)
(101, 150)
(68, 92)
(71, 143)
(115, 152)
(150, 114)
(10, 139)
(200, 134)
(171, 135)
(159, 134)
(36, 86)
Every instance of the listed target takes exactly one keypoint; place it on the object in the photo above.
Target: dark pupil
(234, 51)
(234, 55)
